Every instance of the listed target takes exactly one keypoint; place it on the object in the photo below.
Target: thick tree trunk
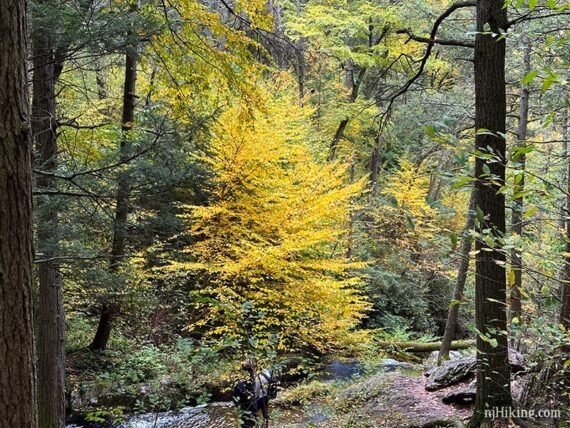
(453, 314)
(493, 372)
(17, 354)
(518, 188)
(565, 294)
(51, 322)
(109, 311)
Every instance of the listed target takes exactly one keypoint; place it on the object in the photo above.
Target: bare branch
(444, 42)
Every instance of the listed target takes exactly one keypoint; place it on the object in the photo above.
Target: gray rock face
(466, 395)
(431, 362)
(451, 372)
(390, 365)
(458, 369)
(462, 395)
(516, 361)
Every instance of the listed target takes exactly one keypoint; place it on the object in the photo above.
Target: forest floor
(353, 394)
(396, 399)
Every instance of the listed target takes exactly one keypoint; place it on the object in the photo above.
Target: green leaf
(532, 4)
(454, 303)
(453, 238)
(529, 77)
(520, 195)
(480, 214)
(530, 212)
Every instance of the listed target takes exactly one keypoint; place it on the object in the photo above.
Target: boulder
(458, 369)
(451, 372)
(516, 361)
(390, 365)
(464, 395)
(431, 362)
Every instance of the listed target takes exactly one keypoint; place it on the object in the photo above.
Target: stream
(224, 414)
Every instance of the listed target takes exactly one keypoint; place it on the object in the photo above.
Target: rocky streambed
(397, 395)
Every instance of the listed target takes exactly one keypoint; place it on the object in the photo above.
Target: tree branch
(444, 42)
(428, 51)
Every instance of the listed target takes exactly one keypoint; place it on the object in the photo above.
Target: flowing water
(224, 414)
(213, 415)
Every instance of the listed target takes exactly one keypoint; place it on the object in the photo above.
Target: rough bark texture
(109, 310)
(518, 202)
(493, 372)
(565, 311)
(453, 313)
(51, 322)
(17, 354)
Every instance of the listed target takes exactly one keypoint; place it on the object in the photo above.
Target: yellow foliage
(407, 223)
(409, 187)
(270, 244)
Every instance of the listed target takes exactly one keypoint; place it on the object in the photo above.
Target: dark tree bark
(493, 372)
(518, 188)
(51, 322)
(300, 56)
(109, 310)
(453, 314)
(352, 82)
(17, 353)
(565, 294)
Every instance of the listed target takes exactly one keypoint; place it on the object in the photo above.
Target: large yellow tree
(270, 253)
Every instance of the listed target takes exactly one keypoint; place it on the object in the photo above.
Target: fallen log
(424, 347)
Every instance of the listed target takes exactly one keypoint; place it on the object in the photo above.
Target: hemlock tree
(519, 159)
(17, 354)
(565, 288)
(51, 320)
(119, 240)
(493, 372)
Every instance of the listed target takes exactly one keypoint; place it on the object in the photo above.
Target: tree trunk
(375, 166)
(565, 294)
(109, 310)
(453, 313)
(352, 83)
(300, 54)
(518, 187)
(493, 372)
(436, 183)
(17, 353)
(51, 322)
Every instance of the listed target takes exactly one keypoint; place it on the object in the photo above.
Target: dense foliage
(294, 183)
